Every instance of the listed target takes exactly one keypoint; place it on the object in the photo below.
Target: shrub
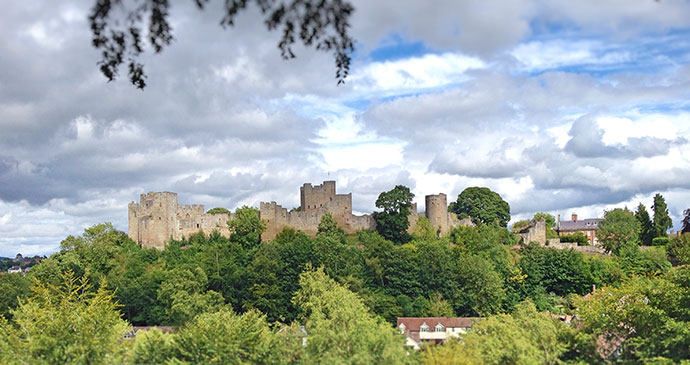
(660, 241)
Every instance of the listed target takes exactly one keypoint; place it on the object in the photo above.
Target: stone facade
(534, 232)
(157, 217)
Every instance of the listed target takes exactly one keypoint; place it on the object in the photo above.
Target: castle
(158, 217)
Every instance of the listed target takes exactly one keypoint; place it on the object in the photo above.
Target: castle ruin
(158, 217)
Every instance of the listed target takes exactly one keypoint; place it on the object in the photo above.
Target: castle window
(197, 225)
(160, 205)
(159, 218)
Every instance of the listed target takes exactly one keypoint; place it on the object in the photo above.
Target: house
(14, 269)
(433, 329)
(587, 226)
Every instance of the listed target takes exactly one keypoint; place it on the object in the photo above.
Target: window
(424, 328)
(439, 328)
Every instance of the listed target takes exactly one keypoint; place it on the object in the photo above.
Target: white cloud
(413, 74)
(543, 55)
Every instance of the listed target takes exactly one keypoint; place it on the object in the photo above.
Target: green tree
(184, 295)
(222, 337)
(423, 231)
(341, 329)
(13, 288)
(246, 227)
(481, 205)
(439, 307)
(226, 338)
(643, 305)
(65, 323)
(393, 222)
(679, 249)
(618, 229)
(549, 219)
(218, 210)
(646, 226)
(523, 337)
(329, 227)
(662, 221)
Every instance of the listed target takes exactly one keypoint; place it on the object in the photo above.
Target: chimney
(574, 217)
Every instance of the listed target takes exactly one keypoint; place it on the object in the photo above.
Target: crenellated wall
(157, 217)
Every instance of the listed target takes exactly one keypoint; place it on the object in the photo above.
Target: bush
(679, 249)
(660, 241)
(577, 237)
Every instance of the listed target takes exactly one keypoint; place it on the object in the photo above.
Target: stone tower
(154, 219)
(437, 212)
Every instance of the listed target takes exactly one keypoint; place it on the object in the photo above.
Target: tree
(549, 219)
(679, 249)
(393, 222)
(119, 30)
(646, 227)
(686, 221)
(222, 337)
(13, 288)
(65, 323)
(643, 305)
(662, 221)
(218, 210)
(618, 229)
(185, 296)
(329, 227)
(524, 337)
(481, 205)
(341, 328)
(246, 227)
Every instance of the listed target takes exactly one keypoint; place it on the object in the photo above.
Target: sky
(559, 106)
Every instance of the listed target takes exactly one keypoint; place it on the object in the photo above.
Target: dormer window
(402, 328)
(424, 328)
(439, 328)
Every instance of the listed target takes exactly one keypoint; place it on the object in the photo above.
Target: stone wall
(158, 217)
(534, 232)
(315, 202)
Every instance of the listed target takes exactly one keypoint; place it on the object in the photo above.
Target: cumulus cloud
(554, 105)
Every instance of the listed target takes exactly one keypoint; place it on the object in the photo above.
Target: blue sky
(559, 106)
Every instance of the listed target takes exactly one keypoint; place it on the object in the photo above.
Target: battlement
(158, 216)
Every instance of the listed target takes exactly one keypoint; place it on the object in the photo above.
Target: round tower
(437, 212)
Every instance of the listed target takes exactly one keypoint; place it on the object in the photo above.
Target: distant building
(433, 329)
(14, 270)
(158, 217)
(18, 257)
(587, 226)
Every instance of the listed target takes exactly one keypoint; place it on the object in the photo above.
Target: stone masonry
(157, 217)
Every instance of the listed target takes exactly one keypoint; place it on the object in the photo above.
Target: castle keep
(158, 217)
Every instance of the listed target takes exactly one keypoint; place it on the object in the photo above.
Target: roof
(413, 323)
(580, 225)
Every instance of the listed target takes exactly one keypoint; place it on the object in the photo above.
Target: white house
(433, 329)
